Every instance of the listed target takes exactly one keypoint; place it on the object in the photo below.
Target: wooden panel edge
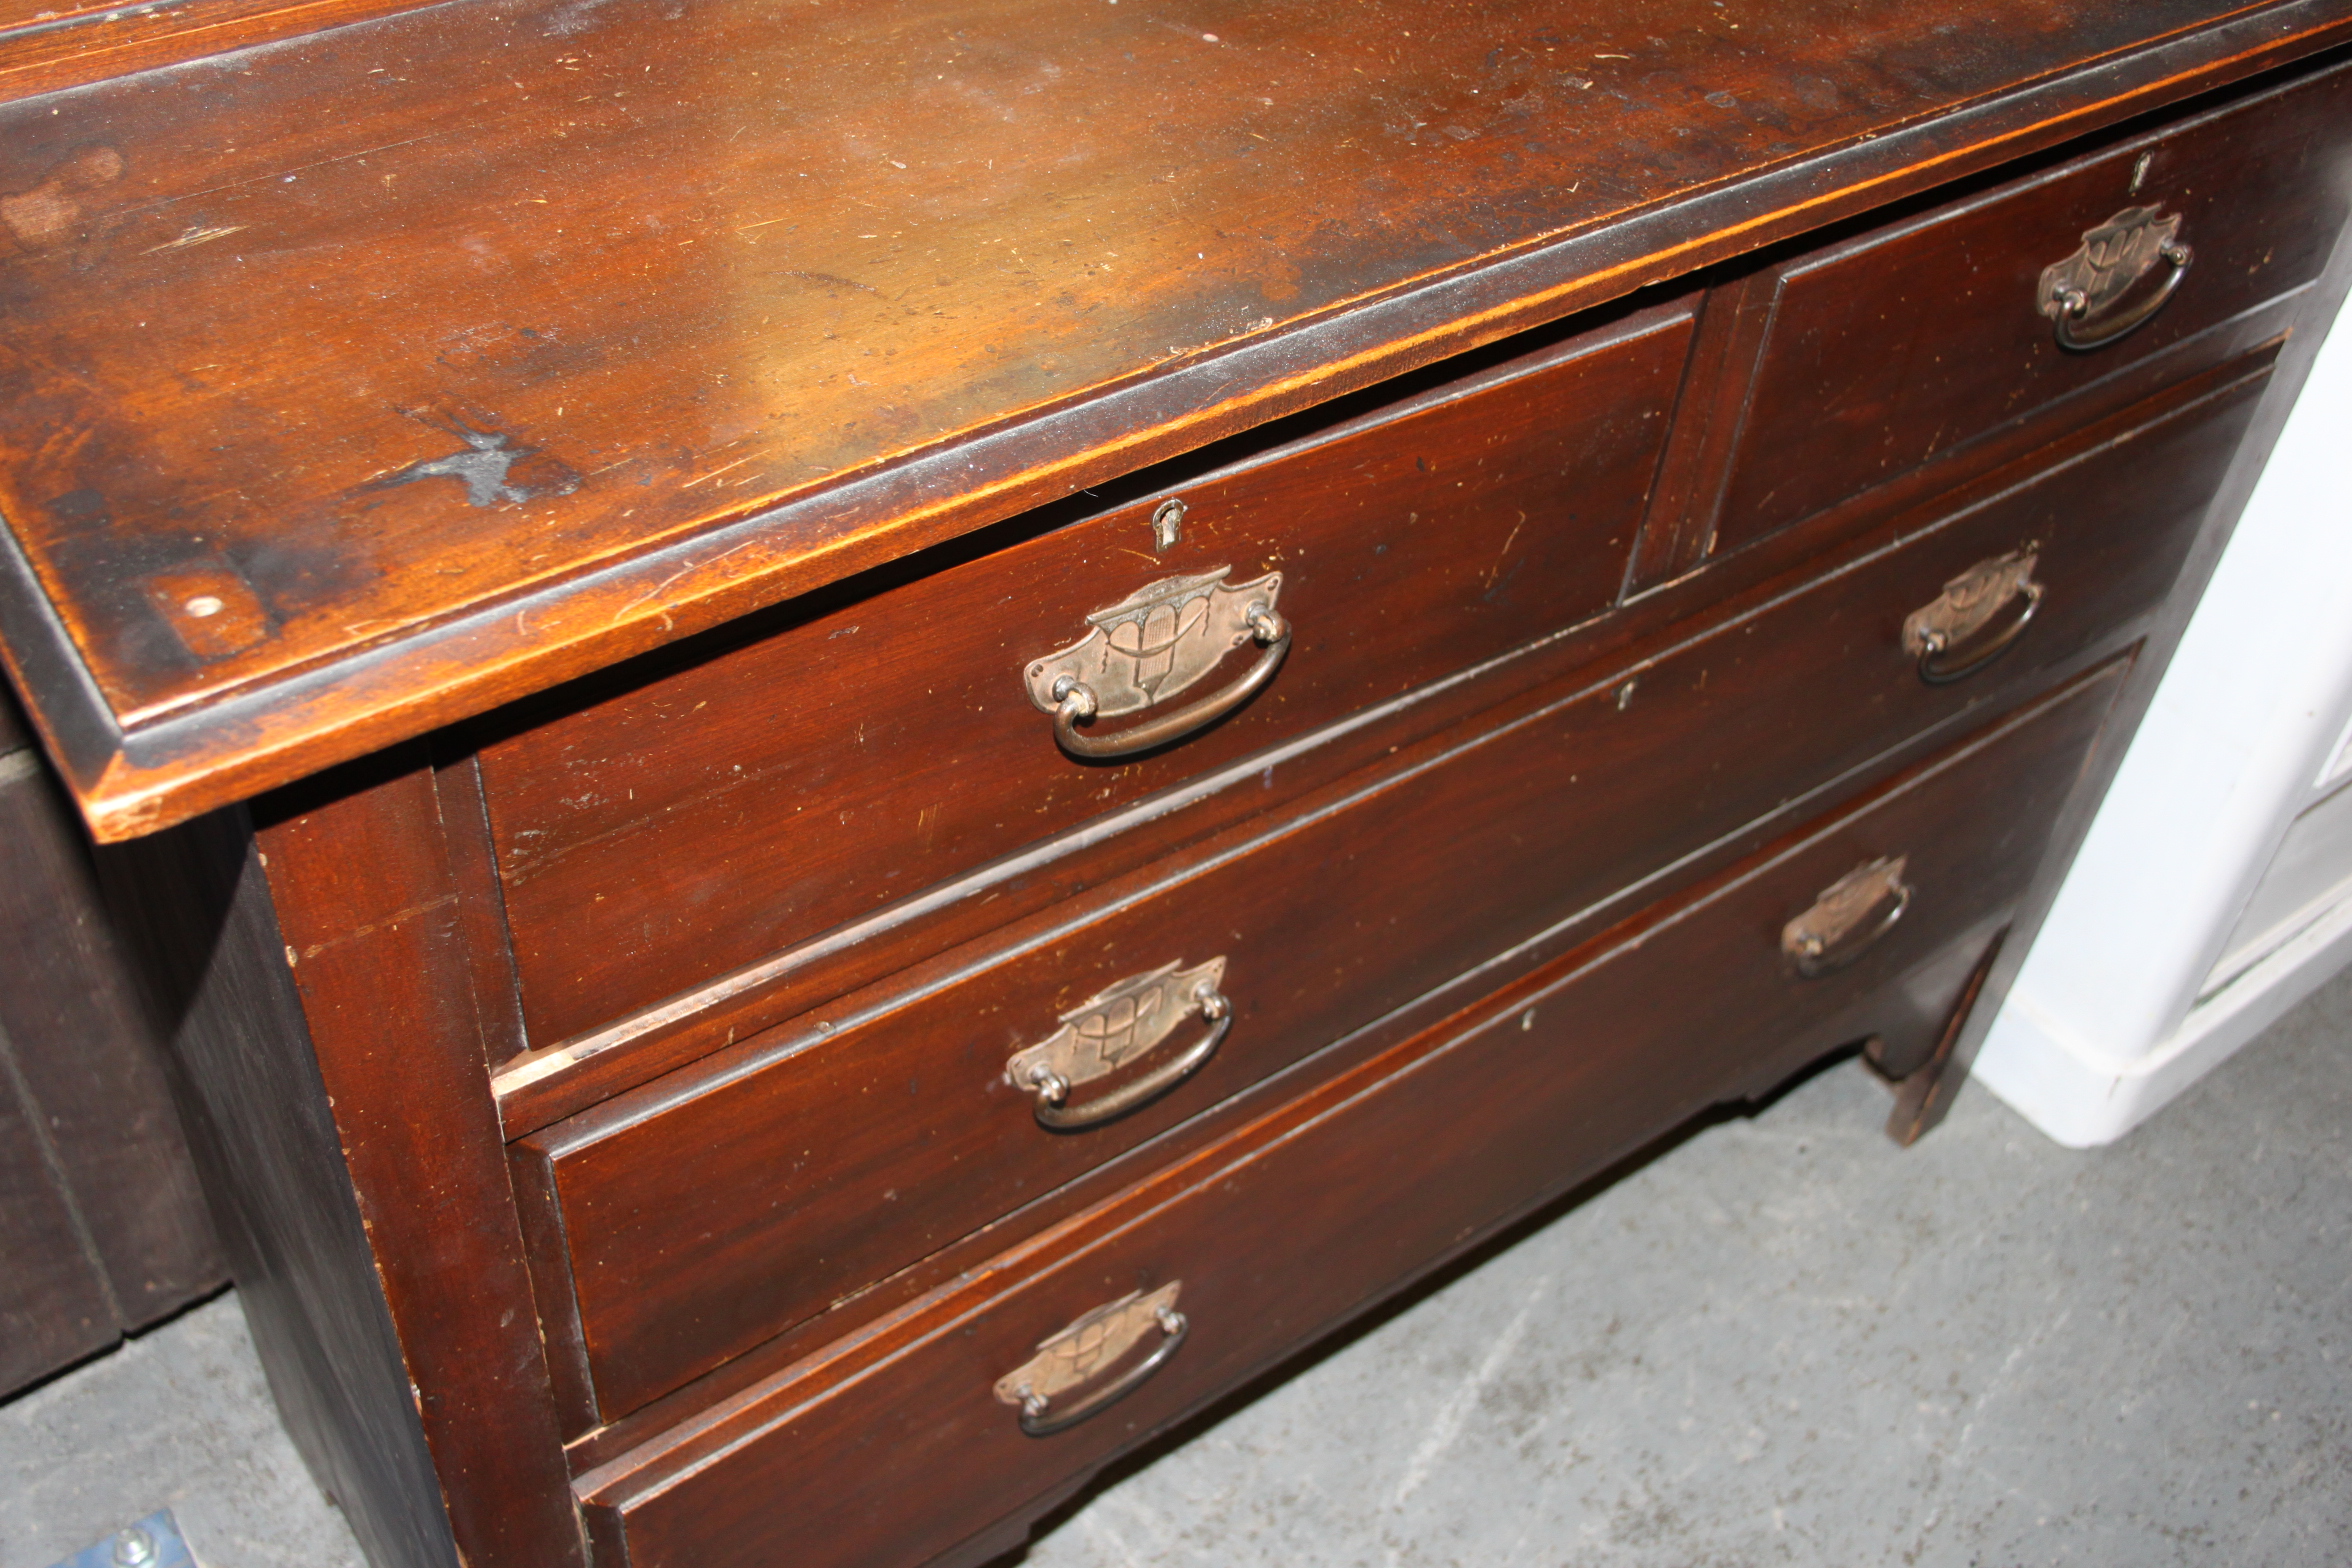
(564, 1078)
(196, 904)
(2322, 304)
(374, 946)
(55, 692)
(175, 767)
(76, 50)
(549, 1255)
(481, 901)
(692, 1444)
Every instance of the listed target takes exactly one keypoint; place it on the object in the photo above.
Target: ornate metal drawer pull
(1969, 603)
(1122, 1025)
(1070, 1358)
(1838, 928)
(1151, 646)
(2079, 293)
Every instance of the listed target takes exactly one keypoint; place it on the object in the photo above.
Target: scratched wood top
(357, 382)
(48, 44)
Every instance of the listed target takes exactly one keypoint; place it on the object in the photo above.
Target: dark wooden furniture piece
(102, 1222)
(857, 747)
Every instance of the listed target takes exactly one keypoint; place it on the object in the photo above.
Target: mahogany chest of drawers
(859, 747)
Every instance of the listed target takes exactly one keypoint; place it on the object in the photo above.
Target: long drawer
(709, 1210)
(1306, 1216)
(651, 841)
(1882, 352)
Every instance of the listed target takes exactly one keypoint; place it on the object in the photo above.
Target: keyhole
(1168, 523)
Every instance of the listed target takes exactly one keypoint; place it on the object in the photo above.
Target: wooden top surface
(358, 382)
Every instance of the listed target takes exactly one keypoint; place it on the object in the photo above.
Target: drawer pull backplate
(1152, 646)
(2081, 294)
(1071, 1357)
(1120, 1026)
(1969, 603)
(1848, 918)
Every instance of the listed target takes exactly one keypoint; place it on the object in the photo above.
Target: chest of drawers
(860, 747)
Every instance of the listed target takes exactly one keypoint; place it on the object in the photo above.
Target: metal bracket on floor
(154, 1542)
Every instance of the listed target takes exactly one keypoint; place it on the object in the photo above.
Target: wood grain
(636, 370)
(882, 745)
(679, 1253)
(195, 905)
(1307, 1217)
(46, 46)
(1722, 365)
(360, 880)
(1908, 341)
(363, 382)
(555, 1080)
(1926, 1086)
(481, 901)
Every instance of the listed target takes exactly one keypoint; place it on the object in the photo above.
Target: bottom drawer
(893, 1447)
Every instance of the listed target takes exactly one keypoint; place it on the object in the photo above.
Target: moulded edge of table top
(134, 779)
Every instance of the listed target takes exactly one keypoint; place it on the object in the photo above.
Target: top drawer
(1883, 352)
(703, 820)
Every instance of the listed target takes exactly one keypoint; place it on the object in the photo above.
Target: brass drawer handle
(1153, 645)
(1122, 1025)
(1839, 928)
(1070, 1357)
(1969, 603)
(2080, 294)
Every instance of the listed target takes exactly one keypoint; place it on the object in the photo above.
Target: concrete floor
(1782, 1340)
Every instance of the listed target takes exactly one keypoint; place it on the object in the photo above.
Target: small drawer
(890, 1450)
(718, 1206)
(1909, 341)
(703, 820)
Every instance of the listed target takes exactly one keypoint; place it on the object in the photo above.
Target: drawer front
(1888, 350)
(710, 1210)
(707, 819)
(1314, 1212)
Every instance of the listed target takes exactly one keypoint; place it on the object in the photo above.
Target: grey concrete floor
(178, 1418)
(1782, 1340)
